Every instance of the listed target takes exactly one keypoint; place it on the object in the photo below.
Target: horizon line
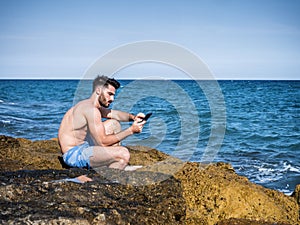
(222, 79)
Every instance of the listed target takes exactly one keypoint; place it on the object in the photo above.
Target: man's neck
(94, 98)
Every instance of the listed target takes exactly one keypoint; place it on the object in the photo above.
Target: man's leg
(112, 126)
(114, 157)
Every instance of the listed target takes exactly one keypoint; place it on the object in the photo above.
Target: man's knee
(124, 154)
(112, 126)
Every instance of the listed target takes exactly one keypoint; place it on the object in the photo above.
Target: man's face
(107, 96)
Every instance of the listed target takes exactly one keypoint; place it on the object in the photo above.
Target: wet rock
(26, 198)
(33, 190)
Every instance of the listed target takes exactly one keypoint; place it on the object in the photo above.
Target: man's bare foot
(84, 179)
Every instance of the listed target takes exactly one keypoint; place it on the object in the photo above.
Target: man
(86, 141)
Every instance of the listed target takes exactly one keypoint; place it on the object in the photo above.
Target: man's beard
(102, 101)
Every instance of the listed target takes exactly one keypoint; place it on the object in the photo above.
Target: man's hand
(138, 124)
(139, 117)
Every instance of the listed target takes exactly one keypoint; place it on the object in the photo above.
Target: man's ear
(98, 90)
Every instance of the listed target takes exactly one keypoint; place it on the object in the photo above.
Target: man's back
(73, 128)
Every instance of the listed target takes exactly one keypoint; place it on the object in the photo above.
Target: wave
(261, 136)
(15, 118)
(282, 175)
(5, 121)
(7, 103)
(271, 172)
(290, 168)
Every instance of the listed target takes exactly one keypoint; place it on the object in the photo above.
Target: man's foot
(83, 179)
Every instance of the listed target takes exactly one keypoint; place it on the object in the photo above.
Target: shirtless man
(86, 141)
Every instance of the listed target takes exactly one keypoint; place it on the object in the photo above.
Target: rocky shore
(37, 188)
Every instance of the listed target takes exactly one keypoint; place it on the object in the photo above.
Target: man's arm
(97, 130)
(117, 115)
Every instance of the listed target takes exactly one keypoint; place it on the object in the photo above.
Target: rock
(100, 219)
(24, 196)
(296, 193)
(218, 193)
(165, 191)
(20, 153)
(234, 221)
(39, 220)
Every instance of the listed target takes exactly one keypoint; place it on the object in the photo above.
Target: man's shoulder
(85, 107)
(84, 104)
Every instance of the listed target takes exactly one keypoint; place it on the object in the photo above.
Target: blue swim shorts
(79, 156)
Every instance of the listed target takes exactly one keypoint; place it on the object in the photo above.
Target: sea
(253, 125)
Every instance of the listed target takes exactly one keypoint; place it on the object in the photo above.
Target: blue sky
(238, 39)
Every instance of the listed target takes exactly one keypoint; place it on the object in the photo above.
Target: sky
(236, 39)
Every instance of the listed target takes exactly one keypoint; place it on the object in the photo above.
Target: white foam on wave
(266, 174)
(286, 190)
(288, 167)
(5, 121)
(271, 172)
(16, 119)
(7, 103)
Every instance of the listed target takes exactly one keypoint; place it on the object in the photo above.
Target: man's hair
(105, 81)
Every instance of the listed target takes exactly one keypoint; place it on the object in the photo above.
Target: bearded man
(88, 141)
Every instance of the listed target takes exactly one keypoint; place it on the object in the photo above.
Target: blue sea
(257, 122)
